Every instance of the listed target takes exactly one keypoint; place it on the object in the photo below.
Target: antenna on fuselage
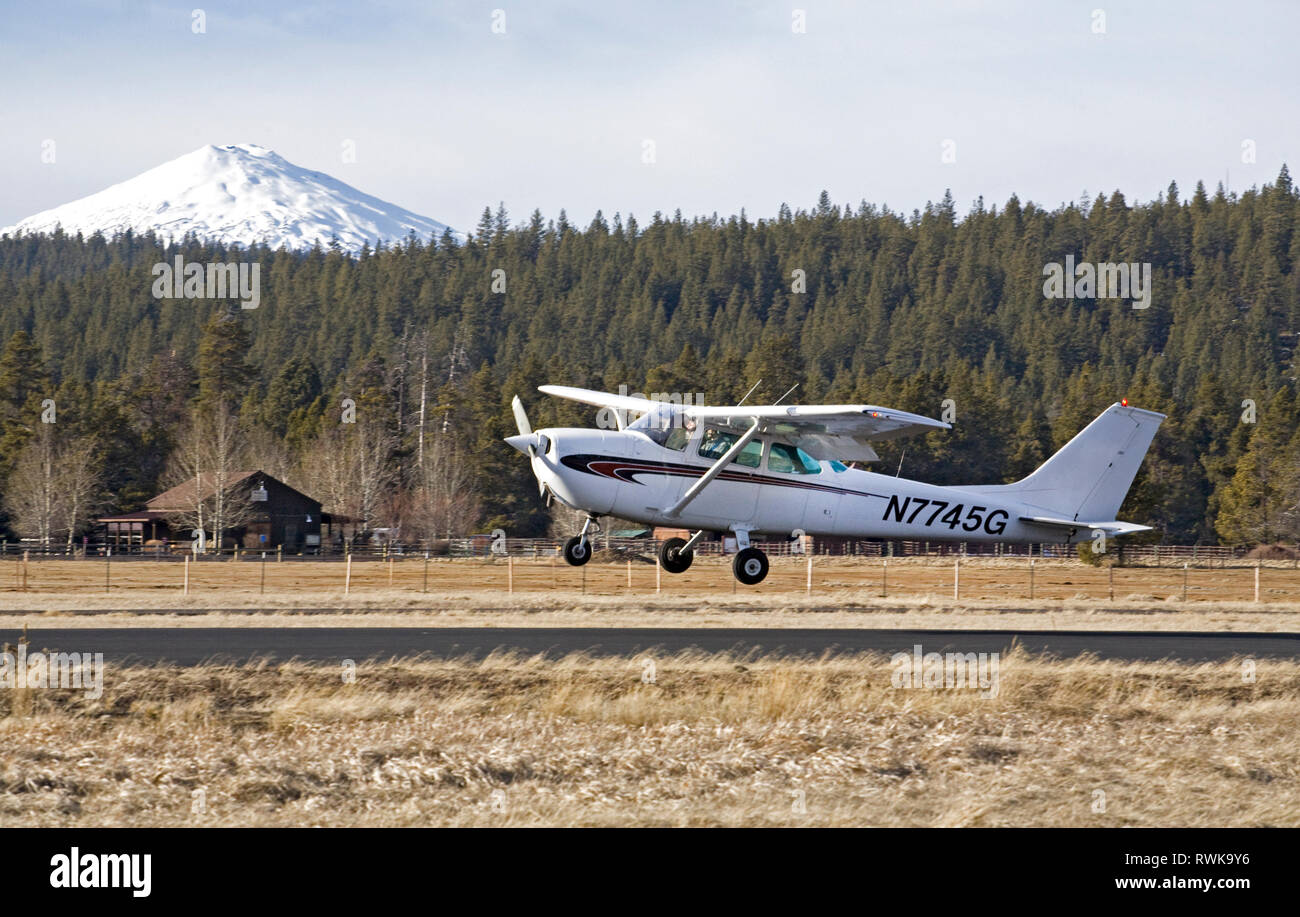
(748, 393)
(900, 462)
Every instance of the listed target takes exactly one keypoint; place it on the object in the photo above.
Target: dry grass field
(707, 741)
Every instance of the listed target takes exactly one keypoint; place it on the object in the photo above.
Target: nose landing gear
(577, 550)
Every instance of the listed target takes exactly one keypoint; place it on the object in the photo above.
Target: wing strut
(715, 469)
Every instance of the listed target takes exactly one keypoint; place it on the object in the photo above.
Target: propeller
(526, 441)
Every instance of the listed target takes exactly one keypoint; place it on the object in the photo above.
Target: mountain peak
(241, 193)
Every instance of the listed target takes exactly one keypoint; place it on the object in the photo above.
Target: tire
(672, 558)
(577, 551)
(750, 566)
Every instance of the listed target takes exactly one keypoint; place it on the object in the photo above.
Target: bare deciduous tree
(446, 502)
(349, 469)
(30, 490)
(80, 486)
(54, 486)
(209, 454)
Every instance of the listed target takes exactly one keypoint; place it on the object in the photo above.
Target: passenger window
(786, 459)
(751, 455)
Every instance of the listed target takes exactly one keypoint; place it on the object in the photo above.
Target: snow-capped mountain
(237, 194)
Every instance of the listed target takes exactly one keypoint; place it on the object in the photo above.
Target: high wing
(824, 431)
(601, 399)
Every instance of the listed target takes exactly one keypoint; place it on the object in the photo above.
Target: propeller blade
(521, 419)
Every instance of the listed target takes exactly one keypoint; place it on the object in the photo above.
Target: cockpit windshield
(667, 425)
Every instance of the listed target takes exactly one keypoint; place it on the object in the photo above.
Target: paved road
(191, 645)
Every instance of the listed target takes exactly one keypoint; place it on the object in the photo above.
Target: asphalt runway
(193, 645)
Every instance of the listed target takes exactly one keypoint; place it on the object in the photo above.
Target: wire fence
(615, 548)
(146, 582)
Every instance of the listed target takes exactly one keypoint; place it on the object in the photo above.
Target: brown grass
(711, 741)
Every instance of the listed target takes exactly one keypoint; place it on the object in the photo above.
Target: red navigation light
(1123, 402)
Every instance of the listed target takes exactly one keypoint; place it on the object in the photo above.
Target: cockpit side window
(715, 443)
(676, 439)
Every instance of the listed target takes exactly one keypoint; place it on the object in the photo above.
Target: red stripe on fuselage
(623, 470)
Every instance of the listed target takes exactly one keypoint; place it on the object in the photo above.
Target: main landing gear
(750, 566)
(577, 550)
(674, 556)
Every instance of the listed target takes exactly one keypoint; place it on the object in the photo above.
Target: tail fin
(1088, 478)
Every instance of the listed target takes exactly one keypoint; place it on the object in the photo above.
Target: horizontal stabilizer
(1111, 528)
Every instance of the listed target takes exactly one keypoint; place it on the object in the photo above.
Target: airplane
(780, 470)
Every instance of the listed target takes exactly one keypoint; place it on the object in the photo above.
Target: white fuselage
(627, 474)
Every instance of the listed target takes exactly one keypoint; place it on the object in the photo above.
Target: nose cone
(522, 441)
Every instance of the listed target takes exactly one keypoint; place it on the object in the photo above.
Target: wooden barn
(265, 514)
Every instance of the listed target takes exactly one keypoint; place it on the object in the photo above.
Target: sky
(708, 107)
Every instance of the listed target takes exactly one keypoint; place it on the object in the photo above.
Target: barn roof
(183, 496)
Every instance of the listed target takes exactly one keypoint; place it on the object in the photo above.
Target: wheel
(577, 551)
(672, 558)
(750, 566)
